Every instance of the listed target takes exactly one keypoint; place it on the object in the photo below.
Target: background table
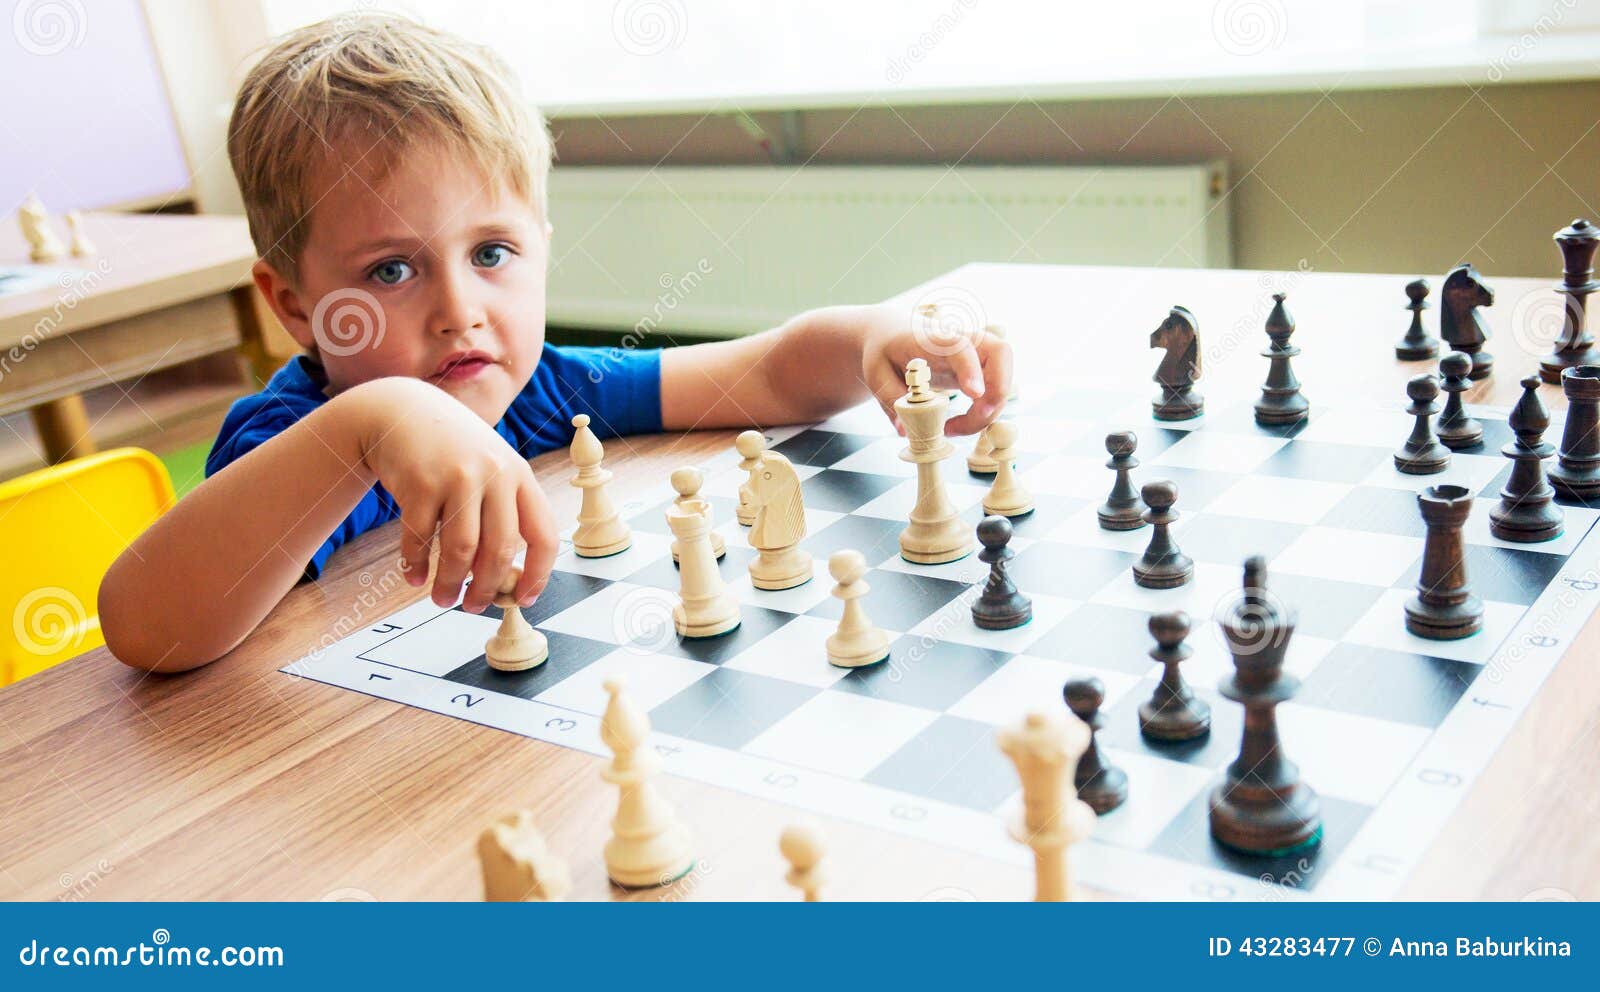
(160, 290)
(239, 782)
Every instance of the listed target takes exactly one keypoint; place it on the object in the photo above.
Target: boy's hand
(972, 361)
(451, 473)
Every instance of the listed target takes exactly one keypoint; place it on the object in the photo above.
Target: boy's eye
(391, 272)
(490, 256)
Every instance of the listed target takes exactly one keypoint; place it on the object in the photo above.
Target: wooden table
(162, 290)
(238, 782)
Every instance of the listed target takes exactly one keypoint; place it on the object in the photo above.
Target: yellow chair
(60, 529)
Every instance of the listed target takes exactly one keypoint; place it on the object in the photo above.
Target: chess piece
(516, 646)
(601, 532)
(1261, 806)
(1281, 400)
(1455, 429)
(1575, 346)
(1576, 474)
(1527, 512)
(779, 526)
(648, 845)
(750, 445)
(1163, 565)
(1179, 334)
(981, 461)
(1007, 496)
(705, 608)
(1444, 608)
(1460, 324)
(686, 482)
(44, 245)
(936, 532)
(1422, 454)
(1045, 749)
(518, 865)
(1122, 509)
(801, 845)
(82, 247)
(1173, 712)
(1103, 786)
(1417, 344)
(1000, 606)
(855, 642)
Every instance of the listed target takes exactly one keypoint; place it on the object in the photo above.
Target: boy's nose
(456, 308)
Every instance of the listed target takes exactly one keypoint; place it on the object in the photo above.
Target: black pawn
(1122, 509)
(1422, 454)
(1417, 344)
(1456, 430)
(1163, 566)
(1103, 786)
(1261, 806)
(1444, 608)
(1173, 712)
(1281, 401)
(1527, 510)
(1000, 606)
(1577, 472)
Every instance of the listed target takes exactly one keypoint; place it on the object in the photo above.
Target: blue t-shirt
(619, 389)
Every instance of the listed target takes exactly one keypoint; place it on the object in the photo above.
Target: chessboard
(1391, 730)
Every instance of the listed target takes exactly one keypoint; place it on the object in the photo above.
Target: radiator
(725, 250)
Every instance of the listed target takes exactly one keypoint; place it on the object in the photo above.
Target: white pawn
(981, 460)
(516, 646)
(687, 481)
(648, 845)
(1007, 496)
(856, 641)
(81, 245)
(518, 865)
(43, 243)
(801, 846)
(600, 532)
(751, 445)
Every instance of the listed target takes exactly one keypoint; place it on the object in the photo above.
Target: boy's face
(426, 270)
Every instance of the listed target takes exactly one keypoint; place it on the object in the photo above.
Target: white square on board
(1472, 471)
(898, 502)
(1349, 556)
(798, 599)
(1266, 497)
(1158, 790)
(439, 645)
(647, 547)
(1345, 755)
(1006, 696)
(652, 680)
(796, 652)
(841, 733)
(1217, 451)
(1384, 626)
(953, 623)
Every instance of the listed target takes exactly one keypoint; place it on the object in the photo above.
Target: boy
(395, 187)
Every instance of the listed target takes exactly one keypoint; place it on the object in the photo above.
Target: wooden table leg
(259, 360)
(63, 426)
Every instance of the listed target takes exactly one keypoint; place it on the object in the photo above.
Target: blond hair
(384, 83)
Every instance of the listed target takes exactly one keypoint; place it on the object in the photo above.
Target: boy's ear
(285, 303)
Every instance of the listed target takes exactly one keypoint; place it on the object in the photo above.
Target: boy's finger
(887, 387)
(497, 546)
(999, 363)
(417, 523)
(981, 414)
(967, 367)
(538, 528)
(458, 545)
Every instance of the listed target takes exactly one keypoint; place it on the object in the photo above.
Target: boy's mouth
(460, 366)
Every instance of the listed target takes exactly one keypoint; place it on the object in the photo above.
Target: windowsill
(1486, 62)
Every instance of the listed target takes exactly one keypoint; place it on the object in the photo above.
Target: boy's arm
(824, 361)
(205, 574)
